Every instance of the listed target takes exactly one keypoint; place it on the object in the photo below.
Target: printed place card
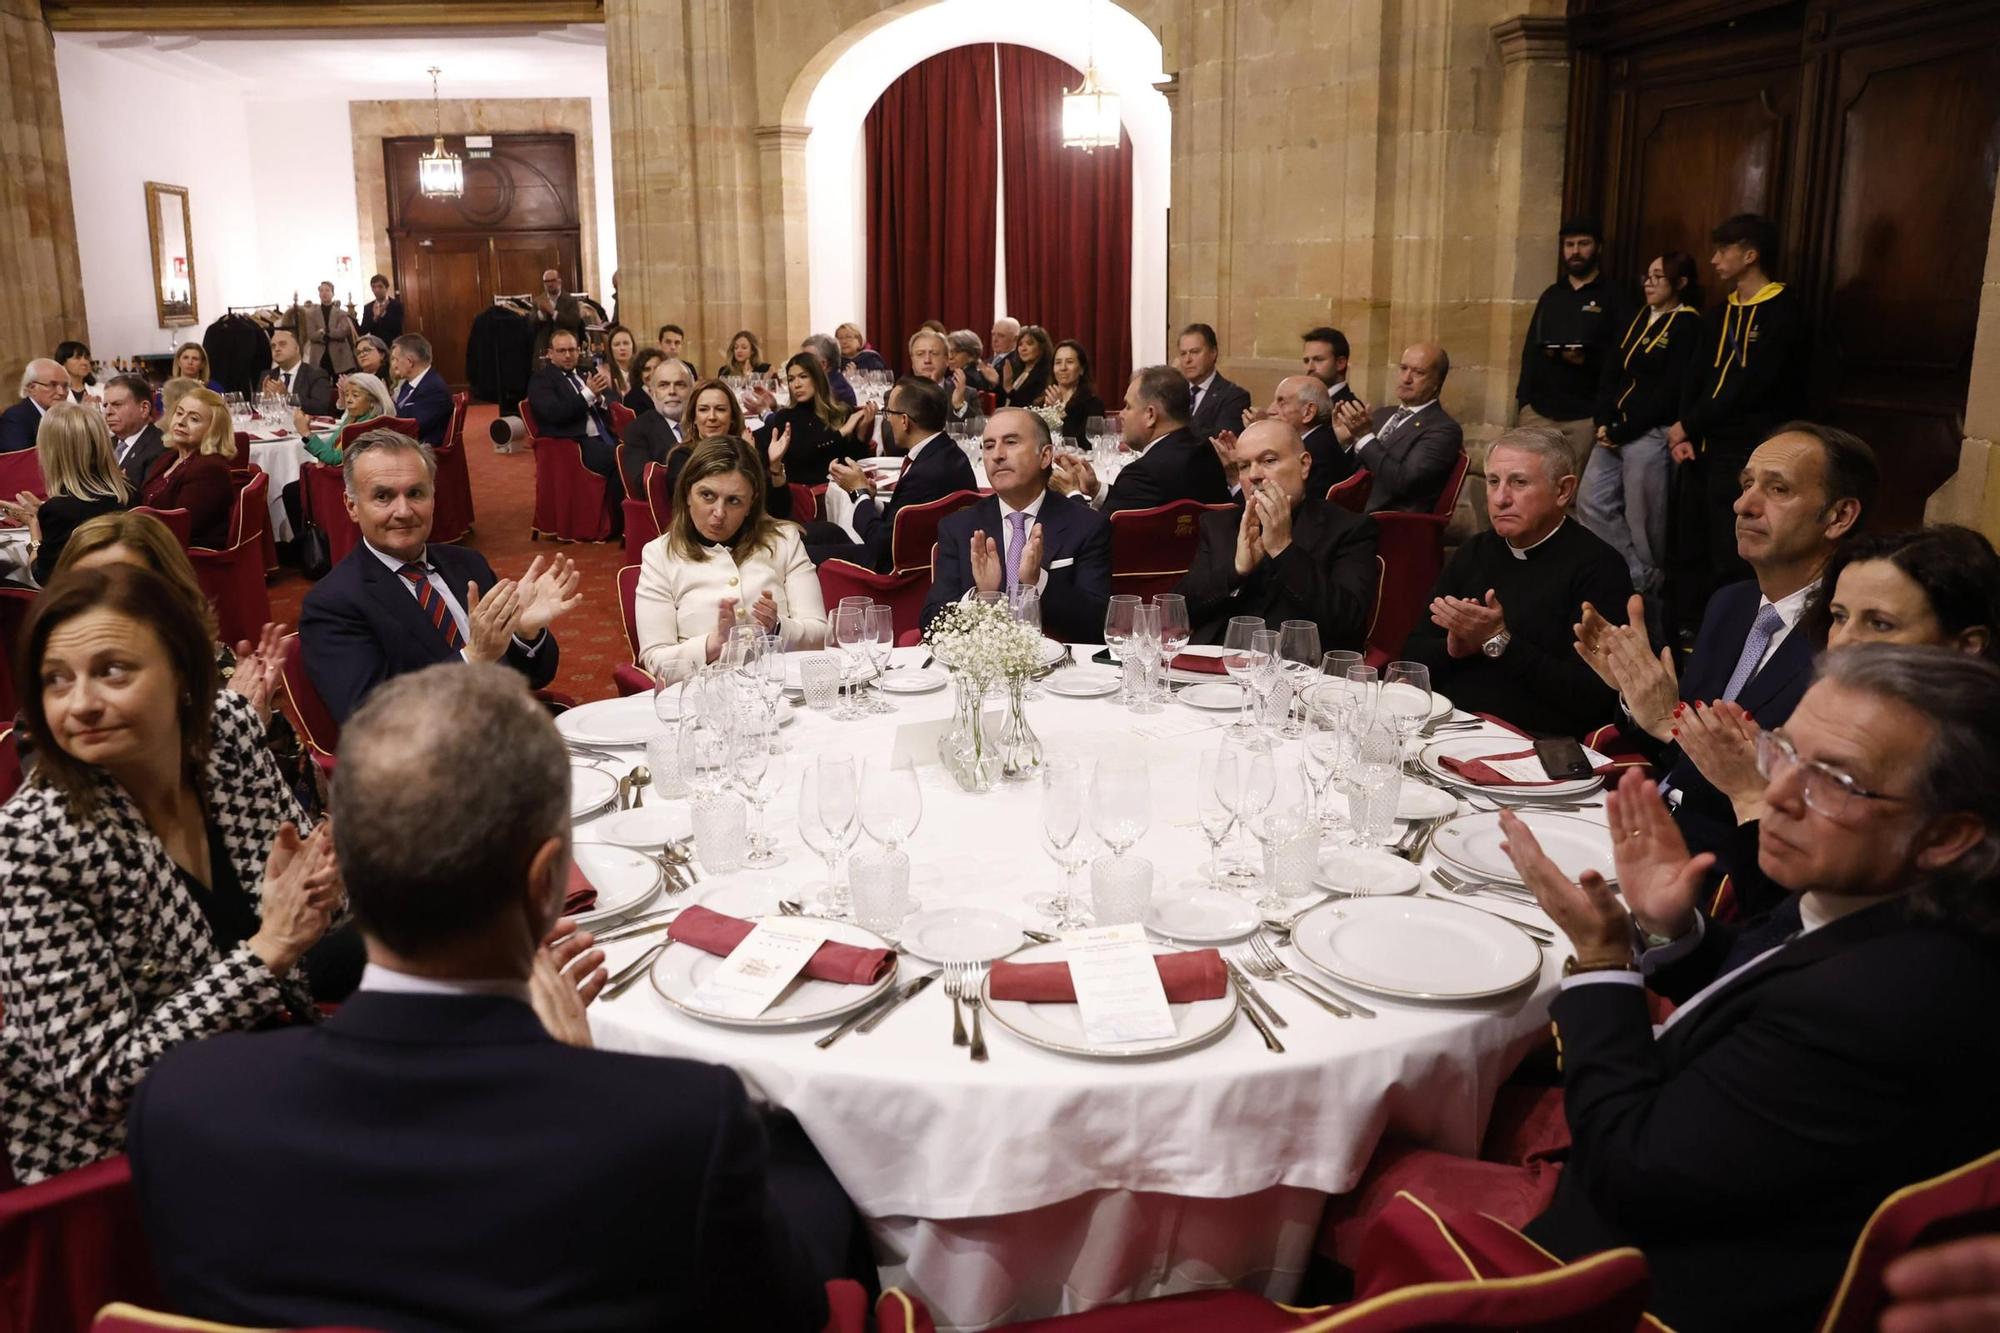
(1117, 984)
(760, 968)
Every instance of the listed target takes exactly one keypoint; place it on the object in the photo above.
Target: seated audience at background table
(962, 353)
(724, 561)
(1282, 552)
(371, 354)
(157, 887)
(828, 352)
(397, 603)
(712, 412)
(74, 358)
(1324, 355)
(421, 394)
(83, 481)
(1026, 536)
(619, 349)
(682, 1204)
(822, 429)
(382, 317)
(1410, 449)
(1070, 388)
(930, 358)
(43, 385)
(570, 406)
(638, 399)
(855, 353)
(1214, 403)
(933, 467)
(193, 473)
(1816, 1061)
(1802, 493)
(743, 357)
(1172, 464)
(362, 398)
(1500, 636)
(671, 339)
(655, 433)
(1034, 359)
(128, 413)
(1302, 402)
(328, 332)
(290, 374)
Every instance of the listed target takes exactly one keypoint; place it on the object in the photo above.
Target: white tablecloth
(280, 457)
(1036, 1183)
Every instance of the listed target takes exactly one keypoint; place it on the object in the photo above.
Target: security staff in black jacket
(1575, 326)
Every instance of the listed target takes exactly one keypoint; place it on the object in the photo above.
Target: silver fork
(1279, 968)
(970, 983)
(1463, 887)
(622, 979)
(1253, 963)
(954, 985)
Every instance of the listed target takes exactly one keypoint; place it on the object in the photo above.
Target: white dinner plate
(960, 935)
(1082, 683)
(1215, 696)
(590, 790)
(1416, 948)
(1059, 1027)
(1471, 843)
(1365, 872)
(1052, 651)
(913, 680)
(1414, 800)
(646, 829)
(627, 722)
(1201, 916)
(1479, 747)
(795, 683)
(625, 880)
(1440, 705)
(680, 970)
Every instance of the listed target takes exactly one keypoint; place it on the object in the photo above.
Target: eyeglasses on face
(1828, 791)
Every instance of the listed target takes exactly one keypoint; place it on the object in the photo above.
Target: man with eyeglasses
(43, 384)
(1816, 1061)
(933, 467)
(1803, 492)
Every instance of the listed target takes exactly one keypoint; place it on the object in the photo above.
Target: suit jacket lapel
(1731, 629)
(1792, 659)
(389, 590)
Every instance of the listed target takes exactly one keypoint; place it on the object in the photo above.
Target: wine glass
(892, 804)
(850, 624)
(828, 819)
(1065, 797)
(1144, 649)
(1324, 753)
(1025, 602)
(1121, 802)
(1406, 696)
(879, 637)
(1118, 616)
(705, 757)
(1174, 630)
(1282, 820)
(1299, 656)
(1256, 780)
(1266, 671)
(1373, 784)
(1215, 804)
(759, 770)
(1240, 659)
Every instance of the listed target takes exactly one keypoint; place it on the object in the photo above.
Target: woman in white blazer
(724, 561)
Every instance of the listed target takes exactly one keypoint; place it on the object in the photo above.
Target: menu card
(1117, 984)
(759, 968)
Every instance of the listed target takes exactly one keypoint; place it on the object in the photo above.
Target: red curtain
(1069, 221)
(932, 172)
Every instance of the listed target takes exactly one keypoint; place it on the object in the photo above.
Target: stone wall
(41, 282)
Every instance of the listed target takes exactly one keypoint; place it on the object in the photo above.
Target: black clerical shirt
(1539, 684)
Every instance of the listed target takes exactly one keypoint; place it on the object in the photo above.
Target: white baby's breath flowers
(984, 641)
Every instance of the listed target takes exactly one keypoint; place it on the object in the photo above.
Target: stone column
(781, 155)
(1972, 495)
(41, 280)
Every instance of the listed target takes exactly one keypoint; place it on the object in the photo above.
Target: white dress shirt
(1033, 509)
(1789, 608)
(451, 603)
(388, 981)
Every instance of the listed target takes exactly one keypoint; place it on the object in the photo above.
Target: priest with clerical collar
(1500, 638)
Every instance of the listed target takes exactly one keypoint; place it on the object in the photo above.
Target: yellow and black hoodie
(1641, 390)
(1750, 376)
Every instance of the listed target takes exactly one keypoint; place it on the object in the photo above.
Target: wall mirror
(173, 253)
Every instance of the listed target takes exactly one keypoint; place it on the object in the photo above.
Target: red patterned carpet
(503, 498)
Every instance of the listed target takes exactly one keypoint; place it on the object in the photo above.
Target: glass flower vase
(1020, 748)
(968, 753)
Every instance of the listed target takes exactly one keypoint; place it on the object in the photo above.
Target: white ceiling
(475, 62)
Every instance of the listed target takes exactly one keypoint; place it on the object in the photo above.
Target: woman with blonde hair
(744, 354)
(724, 561)
(193, 472)
(190, 363)
(855, 353)
(363, 397)
(83, 479)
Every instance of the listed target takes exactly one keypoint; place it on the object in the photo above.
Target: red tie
(432, 604)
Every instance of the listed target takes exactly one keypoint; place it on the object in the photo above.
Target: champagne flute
(759, 770)
(850, 625)
(1065, 796)
(828, 820)
(1215, 804)
(1265, 672)
(1174, 632)
(1298, 651)
(1256, 783)
(1121, 802)
(892, 804)
(1143, 648)
(1119, 613)
(1025, 602)
(1240, 659)
(879, 636)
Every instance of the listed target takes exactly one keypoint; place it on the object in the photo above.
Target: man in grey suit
(328, 332)
(1411, 448)
(135, 440)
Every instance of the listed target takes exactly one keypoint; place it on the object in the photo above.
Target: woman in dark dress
(1070, 389)
(83, 479)
(193, 472)
(1037, 352)
(745, 358)
(855, 353)
(820, 427)
(639, 396)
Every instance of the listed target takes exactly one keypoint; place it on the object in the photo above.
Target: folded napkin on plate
(713, 932)
(581, 895)
(1480, 769)
(1210, 666)
(1196, 975)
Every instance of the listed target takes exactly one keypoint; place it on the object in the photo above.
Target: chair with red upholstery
(176, 521)
(22, 471)
(71, 1244)
(1351, 493)
(621, 417)
(527, 418)
(309, 714)
(569, 497)
(354, 430)
(1453, 485)
(451, 513)
(639, 525)
(1961, 1202)
(15, 604)
(659, 496)
(916, 528)
(1225, 1310)
(805, 501)
(628, 678)
(258, 520)
(454, 431)
(1151, 549)
(323, 491)
(10, 765)
(903, 593)
(1412, 549)
(234, 578)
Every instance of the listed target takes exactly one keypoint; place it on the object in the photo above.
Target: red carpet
(503, 498)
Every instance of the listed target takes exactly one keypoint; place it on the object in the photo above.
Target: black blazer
(312, 386)
(149, 445)
(428, 402)
(1082, 406)
(360, 625)
(1178, 466)
(561, 1188)
(1076, 556)
(59, 516)
(649, 439)
(1326, 575)
(1744, 1147)
(1332, 462)
(1221, 408)
(390, 326)
(560, 412)
(1411, 467)
(18, 427)
(938, 470)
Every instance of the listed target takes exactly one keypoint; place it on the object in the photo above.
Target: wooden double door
(516, 219)
(1869, 130)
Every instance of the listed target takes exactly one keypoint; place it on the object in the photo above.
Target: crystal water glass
(1373, 784)
(1121, 887)
(1065, 837)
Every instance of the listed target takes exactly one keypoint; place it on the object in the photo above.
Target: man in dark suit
(1173, 463)
(289, 374)
(1816, 1061)
(569, 406)
(43, 384)
(1411, 448)
(421, 395)
(1804, 491)
(397, 604)
(128, 414)
(1285, 554)
(1214, 403)
(1325, 357)
(1025, 535)
(933, 468)
(562, 1187)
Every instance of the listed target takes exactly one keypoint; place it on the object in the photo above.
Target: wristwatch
(1571, 967)
(1496, 645)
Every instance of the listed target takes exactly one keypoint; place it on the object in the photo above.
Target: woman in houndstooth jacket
(158, 889)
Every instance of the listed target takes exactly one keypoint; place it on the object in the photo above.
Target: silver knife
(1250, 993)
(866, 1018)
(1263, 1028)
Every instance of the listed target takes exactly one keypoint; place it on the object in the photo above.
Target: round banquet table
(1038, 1183)
(279, 455)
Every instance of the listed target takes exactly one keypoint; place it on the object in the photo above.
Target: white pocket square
(1058, 564)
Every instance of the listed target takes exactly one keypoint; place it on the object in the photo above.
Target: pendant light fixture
(1089, 114)
(440, 171)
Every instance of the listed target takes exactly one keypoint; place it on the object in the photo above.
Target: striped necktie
(431, 602)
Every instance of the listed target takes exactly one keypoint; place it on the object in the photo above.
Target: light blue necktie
(1017, 540)
(1766, 628)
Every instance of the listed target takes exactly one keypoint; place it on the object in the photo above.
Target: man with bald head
(1410, 448)
(1284, 553)
(43, 384)
(1025, 535)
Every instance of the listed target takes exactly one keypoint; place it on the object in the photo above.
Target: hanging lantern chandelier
(1089, 114)
(440, 171)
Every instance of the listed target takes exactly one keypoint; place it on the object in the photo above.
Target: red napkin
(713, 932)
(1196, 975)
(1210, 666)
(1486, 775)
(581, 895)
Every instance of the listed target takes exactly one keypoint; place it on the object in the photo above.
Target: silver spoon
(641, 777)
